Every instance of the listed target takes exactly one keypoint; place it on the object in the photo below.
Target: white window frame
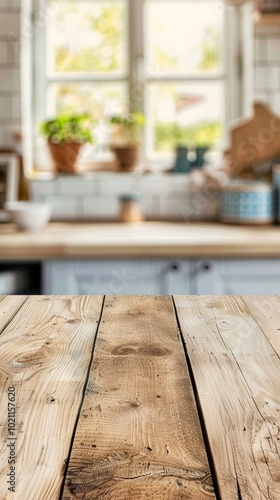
(238, 43)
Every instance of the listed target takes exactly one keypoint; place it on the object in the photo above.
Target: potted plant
(125, 135)
(65, 135)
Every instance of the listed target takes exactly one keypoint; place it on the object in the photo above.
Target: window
(173, 60)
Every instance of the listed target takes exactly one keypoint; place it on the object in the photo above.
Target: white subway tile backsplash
(16, 4)
(273, 49)
(9, 23)
(260, 49)
(14, 50)
(267, 77)
(9, 80)
(117, 183)
(157, 202)
(105, 207)
(7, 133)
(175, 208)
(2, 132)
(3, 52)
(267, 65)
(14, 53)
(10, 5)
(267, 29)
(272, 77)
(73, 184)
(44, 187)
(65, 207)
(16, 107)
(274, 101)
(6, 107)
(159, 184)
(260, 78)
(262, 96)
(150, 206)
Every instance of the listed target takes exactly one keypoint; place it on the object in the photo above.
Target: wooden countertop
(139, 398)
(149, 239)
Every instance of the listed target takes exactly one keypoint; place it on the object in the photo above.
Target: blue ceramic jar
(276, 183)
(247, 202)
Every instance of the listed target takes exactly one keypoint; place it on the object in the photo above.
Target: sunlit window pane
(87, 36)
(183, 37)
(184, 114)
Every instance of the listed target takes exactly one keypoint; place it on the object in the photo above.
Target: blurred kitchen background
(187, 66)
(187, 72)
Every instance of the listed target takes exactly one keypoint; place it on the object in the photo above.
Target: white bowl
(29, 215)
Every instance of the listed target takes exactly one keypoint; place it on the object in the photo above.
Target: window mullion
(135, 44)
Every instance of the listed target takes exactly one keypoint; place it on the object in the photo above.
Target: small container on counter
(247, 202)
(130, 210)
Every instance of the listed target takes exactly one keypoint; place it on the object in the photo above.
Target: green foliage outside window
(210, 52)
(106, 55)
(170, 135)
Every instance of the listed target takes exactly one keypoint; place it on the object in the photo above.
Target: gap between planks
(81, 402)
(12, 305)
(45, 353)
(227, 351)
(139, 434)
(199, 410)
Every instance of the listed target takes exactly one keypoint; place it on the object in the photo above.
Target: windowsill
(86, 170)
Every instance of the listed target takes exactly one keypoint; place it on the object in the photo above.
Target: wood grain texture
(148, 239)
(247, 147)
(237, 376)
(138, 436)
(45, 353)
(266, 312)
(9, 306)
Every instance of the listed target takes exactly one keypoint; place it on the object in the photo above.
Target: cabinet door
(116, 277)
(178, 277)
(59, 278)
(236, 277)
(120, 277)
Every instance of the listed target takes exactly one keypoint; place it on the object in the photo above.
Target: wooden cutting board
(254, 141)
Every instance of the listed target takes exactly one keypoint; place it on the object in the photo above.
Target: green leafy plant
(126, 127)
(68, 129)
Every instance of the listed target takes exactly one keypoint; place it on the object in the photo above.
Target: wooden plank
(238, 161)
(45, 353)
(266, 312)
(138, 435)
(237, 378)
(9, 306)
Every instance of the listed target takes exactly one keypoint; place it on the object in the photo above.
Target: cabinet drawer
(250, 268)
(126, 268)
(228, 277)
(117, 277)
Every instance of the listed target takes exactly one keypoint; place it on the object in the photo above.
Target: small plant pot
(64, 156)
(126, 156)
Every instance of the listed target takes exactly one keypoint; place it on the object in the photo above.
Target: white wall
(9, 70)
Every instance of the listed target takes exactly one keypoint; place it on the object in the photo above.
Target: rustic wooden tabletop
(139, 398)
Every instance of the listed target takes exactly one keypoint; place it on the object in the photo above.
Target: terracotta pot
(126, 156)
(64, 156)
